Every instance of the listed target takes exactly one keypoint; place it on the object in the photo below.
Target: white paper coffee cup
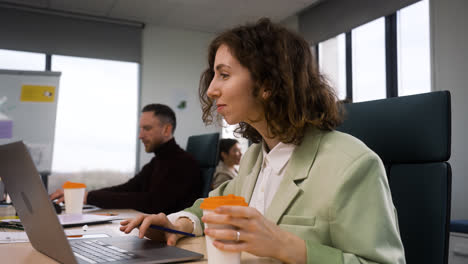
(74, 195)
(208, 206)
(215, 255)
(74, 200)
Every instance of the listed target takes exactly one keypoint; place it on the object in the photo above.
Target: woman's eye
(224, 75)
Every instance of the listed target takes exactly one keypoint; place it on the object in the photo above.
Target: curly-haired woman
(315, 195)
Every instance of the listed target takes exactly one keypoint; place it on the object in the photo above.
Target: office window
(368, 52)
(332, 63)
(21, 60)
(413, 49)
(96, 128)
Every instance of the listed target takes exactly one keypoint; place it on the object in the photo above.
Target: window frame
(391, 58)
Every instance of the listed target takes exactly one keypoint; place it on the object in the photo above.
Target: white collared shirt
(270, 176)
(268, 181)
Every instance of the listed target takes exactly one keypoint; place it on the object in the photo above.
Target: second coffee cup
(74, 195)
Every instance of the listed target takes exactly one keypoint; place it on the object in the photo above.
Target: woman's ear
(266, 94)
(265, 91)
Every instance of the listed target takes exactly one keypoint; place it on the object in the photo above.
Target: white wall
(172, 63)
(449, 42)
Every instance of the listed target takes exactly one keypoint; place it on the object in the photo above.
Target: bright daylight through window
(413, 49)
(96, 116)
(332, 63)
(20, 60)
(369, 81)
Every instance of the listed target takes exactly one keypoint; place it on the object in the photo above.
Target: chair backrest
(204, 148)
(412, 135)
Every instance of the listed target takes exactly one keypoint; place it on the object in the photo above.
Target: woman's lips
(220, 107)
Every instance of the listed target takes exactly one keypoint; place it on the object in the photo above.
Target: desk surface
(24, 253)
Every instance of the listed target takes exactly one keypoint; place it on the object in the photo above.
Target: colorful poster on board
(6, 128)
(37, 93)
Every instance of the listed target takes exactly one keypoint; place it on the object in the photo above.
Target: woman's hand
(143, 222)
(257, 235)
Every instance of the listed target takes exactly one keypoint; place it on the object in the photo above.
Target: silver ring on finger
(237, 236)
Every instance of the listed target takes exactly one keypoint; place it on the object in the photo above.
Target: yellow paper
(37, 93)
(8, 217)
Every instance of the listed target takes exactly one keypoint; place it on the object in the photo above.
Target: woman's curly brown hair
(281, 62)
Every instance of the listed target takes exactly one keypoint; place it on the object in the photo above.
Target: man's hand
(59, 195)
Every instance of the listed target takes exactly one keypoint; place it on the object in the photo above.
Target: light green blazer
(334, 195)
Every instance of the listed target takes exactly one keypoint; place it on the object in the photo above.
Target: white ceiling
(203, 15)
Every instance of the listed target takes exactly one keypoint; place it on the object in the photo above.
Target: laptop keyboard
(95, 251)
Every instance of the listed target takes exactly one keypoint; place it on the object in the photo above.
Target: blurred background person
(229, 156)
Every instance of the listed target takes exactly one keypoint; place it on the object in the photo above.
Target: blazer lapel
(297, 169)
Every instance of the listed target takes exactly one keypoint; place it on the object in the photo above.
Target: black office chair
(204, 148)
(45, 178)
(412, 135)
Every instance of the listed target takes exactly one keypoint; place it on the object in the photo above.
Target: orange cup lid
(212, 203)
(73, 185)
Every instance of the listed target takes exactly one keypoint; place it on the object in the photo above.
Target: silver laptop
(45, 233)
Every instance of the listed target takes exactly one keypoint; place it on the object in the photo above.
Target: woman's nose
(213, 91)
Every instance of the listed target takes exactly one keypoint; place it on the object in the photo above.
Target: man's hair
(225, 145)
(281, 62)
(163, 112)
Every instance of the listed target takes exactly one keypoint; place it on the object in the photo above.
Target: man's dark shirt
(170, 182)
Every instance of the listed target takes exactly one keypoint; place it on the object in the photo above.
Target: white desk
(22, 253)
